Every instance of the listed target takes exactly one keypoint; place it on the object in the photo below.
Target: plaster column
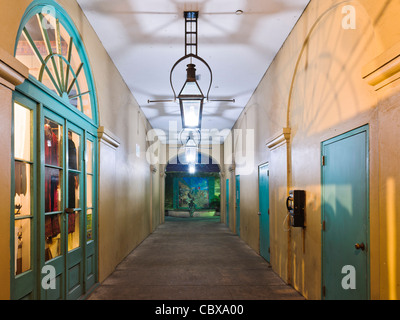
(12, 73)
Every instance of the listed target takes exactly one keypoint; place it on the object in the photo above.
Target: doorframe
(227, 197)
(38, 95)
(266, 164)
(345, 135)
(18, 285)
(237, 225)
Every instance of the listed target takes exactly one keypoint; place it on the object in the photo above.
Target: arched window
(51, 49)
(54, 148)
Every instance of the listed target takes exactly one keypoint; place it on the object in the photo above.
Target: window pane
(52, 143)
(74, 100)
(22, 197)
(75, 60)
(73, 230)
(26, 55)
(49, 52)
(22, 245)
(89, 191)
(22, 132)
(53, 236)
(89, 225)
(73, 190)
(89, 155)
(87, 105)
(52, 190)
(191, 113)
(31, 47)
(73, 150)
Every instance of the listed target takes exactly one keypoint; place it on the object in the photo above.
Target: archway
(192, 194)
(55, 161)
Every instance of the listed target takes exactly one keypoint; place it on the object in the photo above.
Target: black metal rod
(152, 101)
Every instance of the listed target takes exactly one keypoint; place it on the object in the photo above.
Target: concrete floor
(193, 259)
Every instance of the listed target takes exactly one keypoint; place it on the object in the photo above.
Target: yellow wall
(125, 182)
(315, 87)
(12, 73)
(5, 191)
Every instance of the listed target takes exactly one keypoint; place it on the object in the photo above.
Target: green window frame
(51, 47)
(55, 95)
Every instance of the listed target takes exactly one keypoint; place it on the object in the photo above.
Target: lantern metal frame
(191, 38)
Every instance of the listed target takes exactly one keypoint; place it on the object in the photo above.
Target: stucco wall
(315, 87)
(125, 195)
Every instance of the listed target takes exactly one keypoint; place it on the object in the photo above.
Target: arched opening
(55, 163)
(193, 193)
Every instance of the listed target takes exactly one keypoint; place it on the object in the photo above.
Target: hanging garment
(20, 178)
(72, 153)
(52, 226)
(51, 175)
(71, 222)
(51, 146)
(72, 164)
(51, 187)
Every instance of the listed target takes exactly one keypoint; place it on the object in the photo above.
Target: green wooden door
(56, 157)
(345, 216)
(263, 193)
(63, 214)
(227, 202)
(55, 172)
(237, 197)
(24, 214)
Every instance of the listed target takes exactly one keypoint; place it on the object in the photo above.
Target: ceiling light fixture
(191, 150)
(192, 168)
(191, 98)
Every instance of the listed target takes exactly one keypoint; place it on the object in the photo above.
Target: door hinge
(268, 173)
(323, 160)
(323, 225)
(269, 249)
(268, 211)
(323, 291)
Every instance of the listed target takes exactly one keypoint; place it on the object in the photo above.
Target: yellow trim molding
(108, 138)
(384, 69)
(12, 72)
(279, 139)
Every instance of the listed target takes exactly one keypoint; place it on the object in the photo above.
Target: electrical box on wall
(296, 204)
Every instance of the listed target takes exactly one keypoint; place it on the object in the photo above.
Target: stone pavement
(193, 259)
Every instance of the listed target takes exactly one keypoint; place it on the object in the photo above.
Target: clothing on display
(52, 182)
(20, 178)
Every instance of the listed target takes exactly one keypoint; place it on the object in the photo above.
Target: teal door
(55, 178)
(345, 216)
(263, 196)
(238, 205)
(227, 202)
(63, 167)
(55, 122)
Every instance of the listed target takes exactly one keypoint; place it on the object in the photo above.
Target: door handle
(359, 246)
(259, 213)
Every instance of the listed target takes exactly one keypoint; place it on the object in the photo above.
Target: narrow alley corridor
(193, 259)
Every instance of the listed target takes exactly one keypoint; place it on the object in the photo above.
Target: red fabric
(71, 222)
(51, 146)
(51, 175)
(52, 226)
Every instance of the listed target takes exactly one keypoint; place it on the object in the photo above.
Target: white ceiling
(144, 38)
